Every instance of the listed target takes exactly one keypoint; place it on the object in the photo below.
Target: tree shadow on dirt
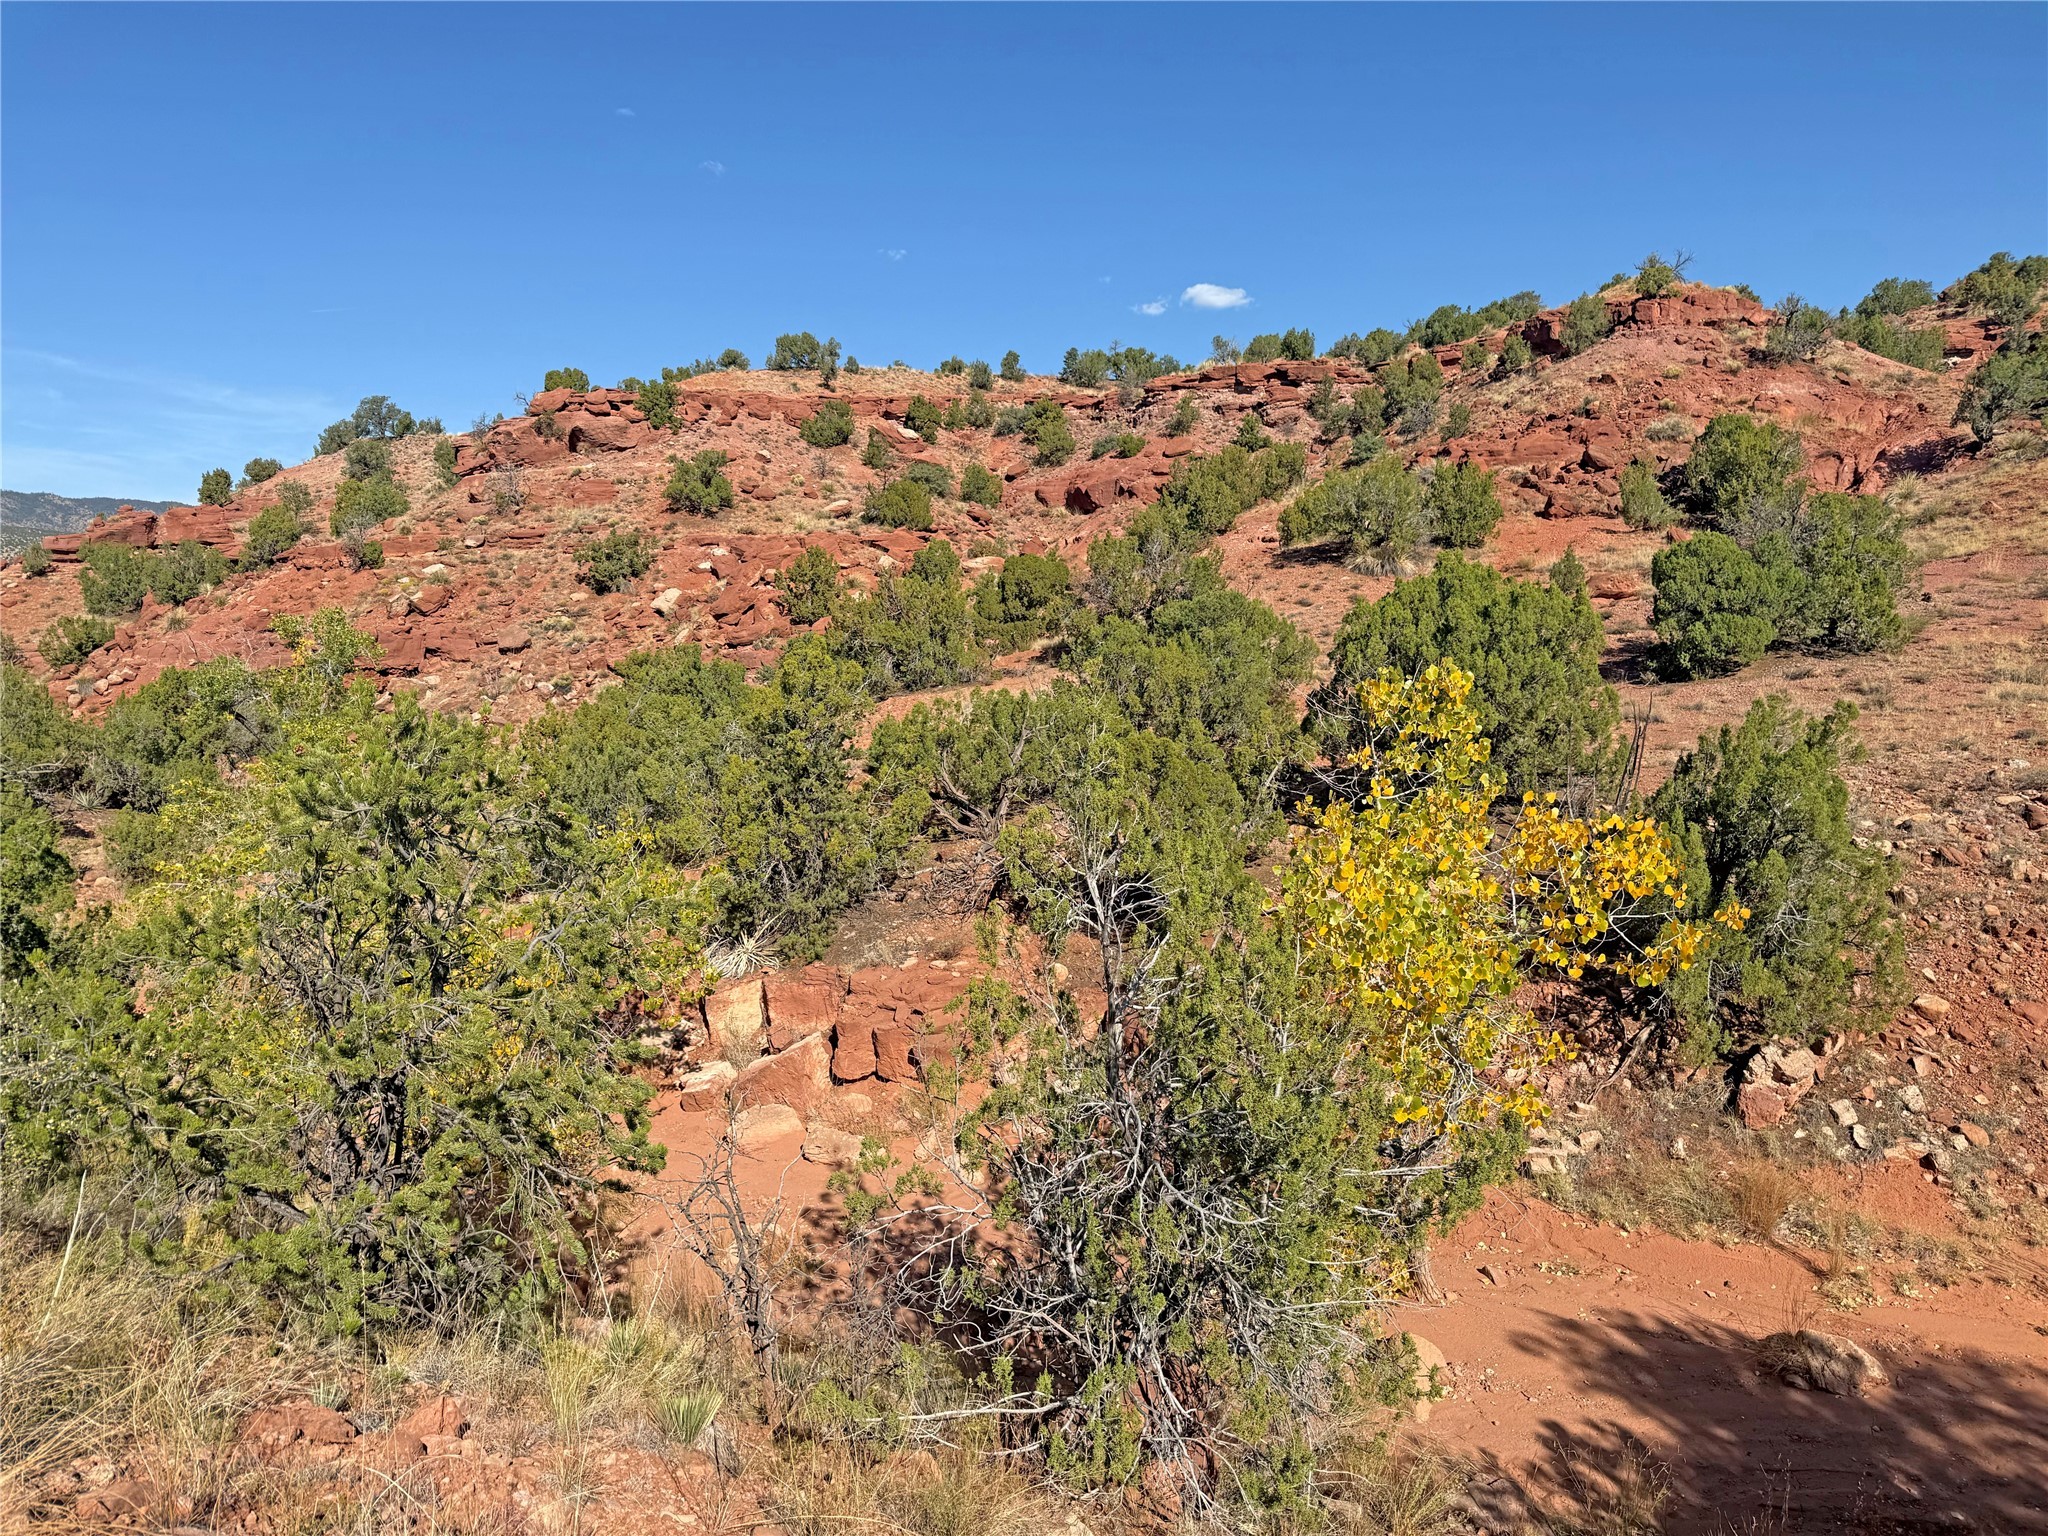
(1957, 1443)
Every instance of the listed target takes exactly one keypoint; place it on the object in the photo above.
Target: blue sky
(220, 226)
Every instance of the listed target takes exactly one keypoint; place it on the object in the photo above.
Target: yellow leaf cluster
(1417, 918)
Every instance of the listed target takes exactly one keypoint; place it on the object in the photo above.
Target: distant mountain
(27, 515)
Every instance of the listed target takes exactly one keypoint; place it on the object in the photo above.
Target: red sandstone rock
(800, 1077)
(802, 1005)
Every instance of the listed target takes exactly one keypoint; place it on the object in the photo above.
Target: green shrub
(1457, 422)
(374, 417)
(935, 478)
(271, 532)
(829, 426)
(1372, 349)
(2009, 386)
(1186, 415)
(1760, 815)
(1293, 346)
(1586, 321)
(182, 572)
(1656, 277)
(35, 888)
(360, 505)
(1852, 562)
(35, 560)
(900, 504)
(256, 471)
(1012, 368)
(1378, 511)
(1533, 649)
(698, 484)
(877, 455)
(977, 412)
(1251, 436)
(1475, 361)
(800, 351)
(952, 367)
(1515, 355)
(657, 402)
(979, 375)
(366, 459)
(1084, 370)
(216, 488)
(1895, 296)
(1669, 429)
(1223, 349)
(923, 418)
(981, 486)
(444, 462)
(1744, 475)
(1125, 445)
(1368, 410)
(363, 554)
(2003, 288)
(914, 631)
(293, 496)
(1798, 333)
(614, 562)
(566, 378)
(1022, 601)
(733, 360)
(71, 639)
(1463, 506)
(809, 585)
(176, 727)
(1717, 606)
(1410, 388)
(1051, 441)
(1873, 333)
(113, 579)
(954, 418)
(1642, 499)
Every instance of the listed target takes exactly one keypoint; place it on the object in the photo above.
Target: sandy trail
(1599, 1353)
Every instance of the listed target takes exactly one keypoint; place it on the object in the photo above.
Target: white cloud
(88, 428)
(622, 112)
(1151, 307)
(896, 253)
(715, 167)
(1214, 296)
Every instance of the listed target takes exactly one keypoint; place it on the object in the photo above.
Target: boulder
(764, 1125)
(799, 1077)
(125, 1498)
(665, 602)
(438, 1415)
(830, 1147)
(1775, 1079)
(853, 1050)
(304, 1431)
(707, 1087)
(735, 1016)
(1823, 1362)
(805, 1004)
(208, 525)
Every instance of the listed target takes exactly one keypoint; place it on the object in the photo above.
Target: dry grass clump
(823, 1489)
(116, 1361)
